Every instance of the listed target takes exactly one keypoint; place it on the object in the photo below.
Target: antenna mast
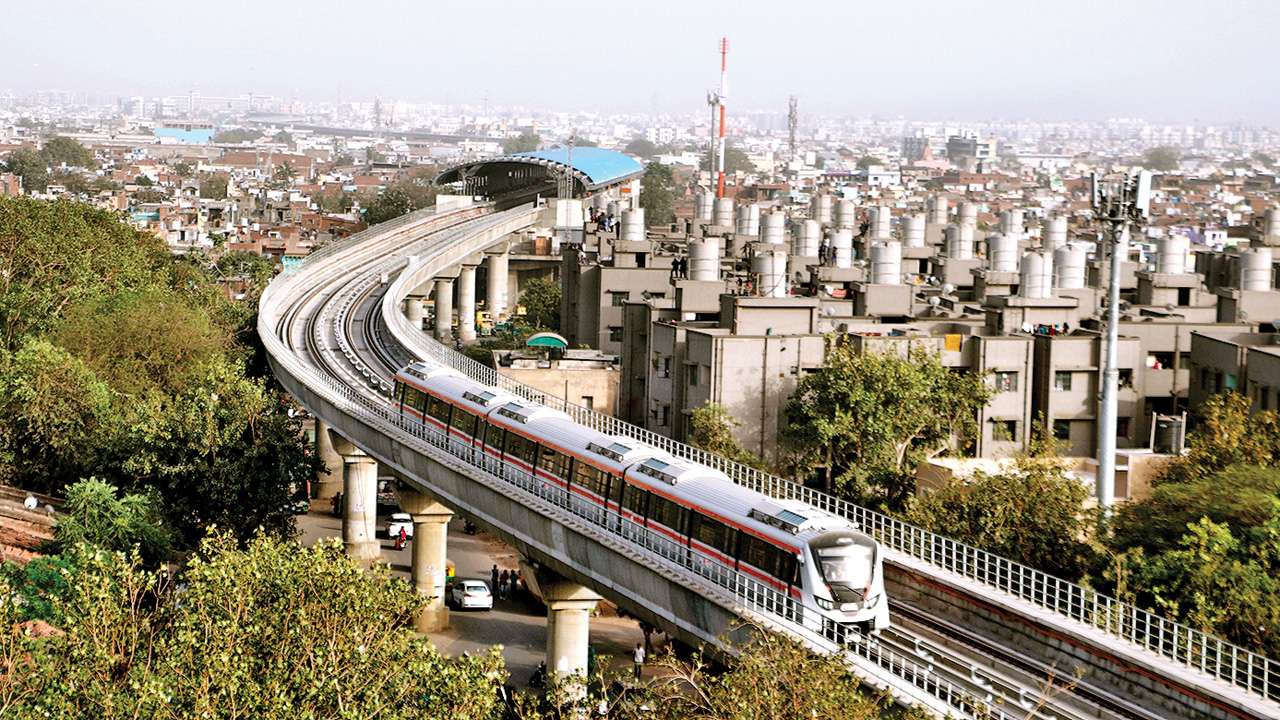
(793, 120)
(721, 96)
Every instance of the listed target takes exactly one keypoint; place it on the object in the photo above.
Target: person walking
(493, 578)
(503, 580)
(639, 659)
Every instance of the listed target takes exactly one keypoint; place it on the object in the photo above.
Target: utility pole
(793, 121)
(566, 180)
(1116, 207)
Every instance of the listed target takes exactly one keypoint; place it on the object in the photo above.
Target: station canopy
(592, 168)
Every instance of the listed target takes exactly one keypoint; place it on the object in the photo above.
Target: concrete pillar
(569, 607)
(467, 304)
(430, 545)
(444, 309)
(496, 287)
(413, 310)
(360, 506)
(329, 476)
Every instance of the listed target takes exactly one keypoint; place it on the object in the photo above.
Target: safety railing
(1174, 641)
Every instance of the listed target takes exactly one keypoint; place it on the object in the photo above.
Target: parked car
(400, 520)
(471, 595)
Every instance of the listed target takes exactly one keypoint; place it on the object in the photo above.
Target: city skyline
(915, 60)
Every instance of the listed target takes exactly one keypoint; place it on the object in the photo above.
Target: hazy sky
(1180, 60)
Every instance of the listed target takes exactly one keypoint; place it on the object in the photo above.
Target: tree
(735, 161)
(526, 141)
(1161, 159)
(285, 173)
(143, 181)
(273, 631)
(73, 180)
(149, 195)
(399, 198)
(248, 266)
(61, 150)
(641, 148)
(865, 421)
(94, 515)
(1228, 433)
(184, 169)
(30, 167)
(1031, 513)
(235, 136)
(657, 195)
(214, 187)
(866, 161)
(541, 301)
(711, 428)
(1264, 158)
(282, 137)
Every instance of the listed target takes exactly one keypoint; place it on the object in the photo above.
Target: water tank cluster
(1255, 269)
(749, 220)
(806, 238)
(820, 209)
(1069, 264)
(1036, 282)
(1002, 253)
(704, 259)
(959, 241)
(1171, 254)
(632, 225)
(913, 231)
(770, 269)
(773, 227)
(886, 263)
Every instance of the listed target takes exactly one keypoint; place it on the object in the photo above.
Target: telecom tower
(793, 120)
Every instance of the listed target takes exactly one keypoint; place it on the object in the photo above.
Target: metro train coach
(820, 560)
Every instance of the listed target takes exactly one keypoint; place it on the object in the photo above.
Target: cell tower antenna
(722, 96)
(793, 121)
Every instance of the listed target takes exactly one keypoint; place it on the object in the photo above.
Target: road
(518, 625)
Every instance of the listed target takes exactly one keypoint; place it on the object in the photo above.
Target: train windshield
(848, 568)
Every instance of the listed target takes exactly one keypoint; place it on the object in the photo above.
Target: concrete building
(587, 378)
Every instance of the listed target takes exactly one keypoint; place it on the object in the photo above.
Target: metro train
(821, 561)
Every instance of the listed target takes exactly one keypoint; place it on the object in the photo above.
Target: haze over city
(1172, 60)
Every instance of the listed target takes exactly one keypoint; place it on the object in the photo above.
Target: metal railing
(1174, 641)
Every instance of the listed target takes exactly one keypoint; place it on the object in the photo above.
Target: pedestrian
(493, 577)
(402, 538)
(516, 582)
(639, 659)
(502, 584)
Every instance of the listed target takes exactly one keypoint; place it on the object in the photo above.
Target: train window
(399, 396)
(591, 478)
(439, 410)
(615, 490)
(633, 499)
(464, 421)
(712, 532)
(759, 554)
(490, 435)
(668, 513)
(554, 462)
(520, 448)
(787, 568)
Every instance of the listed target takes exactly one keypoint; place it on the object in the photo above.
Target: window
(1006, 381)
(691, 374)
(618, 299)
(635, 499)
(554, 462)
(464, 421)
(1122, 427)
(1004, 430)
(615, 333)
(671, 515)
(758, 553)
(713, 533)
(1184, 296)
(1062, 381)
(664, 415)
(1125, 377)
(1205, 382)
(490, 435)
(1264, 397)
(1062, 429)
(1231, 381)
(591, 478)
(588, 401)
(520, 448)
(666, 368)
(439, 410)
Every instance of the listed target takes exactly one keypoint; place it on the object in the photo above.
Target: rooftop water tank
(770, 269)
(806, 239)
(773, 228)
(1171, 254)
(938, 209)
(959, 242)
(846, 213)
(1069, 266)
(1011, 223)
(632, 225)
(723, 213)
(1255, 269)
(968, 213)
(749, 220)
(1055, 234)
(842, 248)
(1037, 275)
(886, 263)
(820, 209)
(1002, 253)
(913, 231)
(703, 204)
(704, 259)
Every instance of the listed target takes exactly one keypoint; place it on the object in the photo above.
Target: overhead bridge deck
(973, 633)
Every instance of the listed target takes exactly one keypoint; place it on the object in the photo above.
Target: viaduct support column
(360, 506)
(413, 310)
(328, 477)
(569, 606)
(467, 304)
(430, 544)
(444, 309)
(496, 287)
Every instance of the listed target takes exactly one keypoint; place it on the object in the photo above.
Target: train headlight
(824, 603)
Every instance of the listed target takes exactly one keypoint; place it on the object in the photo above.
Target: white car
(471, 595)
(400, 520)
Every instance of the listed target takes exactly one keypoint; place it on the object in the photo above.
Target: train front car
(844, 576)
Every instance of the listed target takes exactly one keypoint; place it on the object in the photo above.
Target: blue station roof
(594, 167)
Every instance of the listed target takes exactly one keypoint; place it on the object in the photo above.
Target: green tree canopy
(61, 150)
(867, 420)
(236, 135)
(867, 161)
(527, 141)
(94, 515)
(657, 194)
(541, 301)
(270, 631)
(214, 187)
(1032, 513)
(735, 161)
(711, 428)
(641, 148)
(1161, 159)
(30, 167)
